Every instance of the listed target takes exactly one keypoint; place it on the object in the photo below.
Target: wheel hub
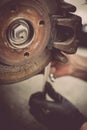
(20, 34)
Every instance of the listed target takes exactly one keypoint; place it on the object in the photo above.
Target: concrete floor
(14, 100)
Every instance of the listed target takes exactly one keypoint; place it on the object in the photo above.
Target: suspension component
(32, 33)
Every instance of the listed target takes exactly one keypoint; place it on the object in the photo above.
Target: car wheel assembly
(30, 34)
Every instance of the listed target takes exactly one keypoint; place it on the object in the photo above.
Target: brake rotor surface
(25, 31)
(24, 35)
(11, 74)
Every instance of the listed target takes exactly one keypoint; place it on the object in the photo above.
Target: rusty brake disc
(25, 31)
(32, 33)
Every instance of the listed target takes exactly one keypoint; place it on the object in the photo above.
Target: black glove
(58, 114)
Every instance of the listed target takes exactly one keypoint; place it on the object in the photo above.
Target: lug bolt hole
(13, 9)
(26, 54)
(42, 23)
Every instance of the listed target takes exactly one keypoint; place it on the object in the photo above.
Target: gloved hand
(58, 114)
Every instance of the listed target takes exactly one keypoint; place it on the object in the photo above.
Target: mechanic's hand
(60, 69)
(76, 66)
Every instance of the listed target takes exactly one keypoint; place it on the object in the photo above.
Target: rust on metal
(68, 33)
(17, 45)
(34, 32)
(11, 74)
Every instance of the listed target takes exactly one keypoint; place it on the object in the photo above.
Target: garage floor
(14, 98)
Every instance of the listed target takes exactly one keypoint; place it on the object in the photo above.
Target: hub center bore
(20, 34)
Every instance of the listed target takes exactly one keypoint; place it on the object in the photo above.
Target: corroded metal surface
(11, 74)
(31, 31)
(35, 15)
(68, 32)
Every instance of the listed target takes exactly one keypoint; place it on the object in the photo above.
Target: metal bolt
(20, 34)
